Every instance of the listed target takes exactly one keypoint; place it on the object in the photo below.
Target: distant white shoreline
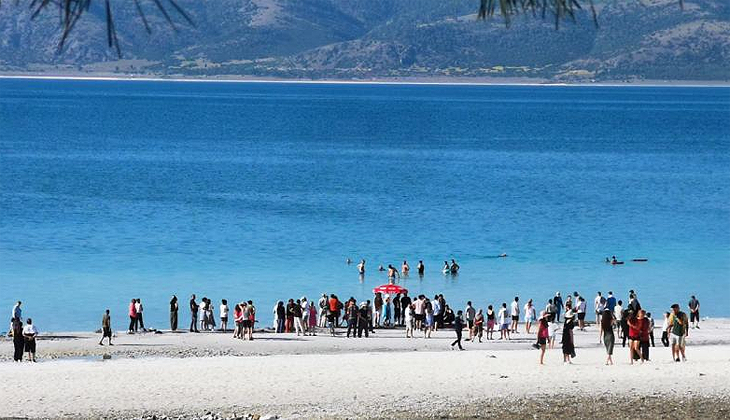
(496, 82)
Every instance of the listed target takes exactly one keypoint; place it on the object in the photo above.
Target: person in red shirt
(333, 313)
(644, 333)
(132, 316)
(634, 336)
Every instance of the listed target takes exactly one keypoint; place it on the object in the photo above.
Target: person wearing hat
(363, 320)
(543, 333)
(568, 343)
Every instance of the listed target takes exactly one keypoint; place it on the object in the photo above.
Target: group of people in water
(405, 269)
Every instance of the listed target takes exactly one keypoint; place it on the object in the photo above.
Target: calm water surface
(113, 190)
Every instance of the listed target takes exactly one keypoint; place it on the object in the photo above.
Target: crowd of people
(422, 316)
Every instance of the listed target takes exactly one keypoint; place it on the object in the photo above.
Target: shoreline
(375, 81)
(213, 376)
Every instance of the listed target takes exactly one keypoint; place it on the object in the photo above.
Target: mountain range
(376, 39)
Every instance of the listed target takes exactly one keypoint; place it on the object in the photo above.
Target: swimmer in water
(421, 269)
(392, 273)
(503, 255)
(446, 268)
(405, 268)
(348, 261)
(361, 267)
(454, 267)
(381, 268)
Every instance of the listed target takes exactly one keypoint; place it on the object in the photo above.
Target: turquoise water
(113, 190)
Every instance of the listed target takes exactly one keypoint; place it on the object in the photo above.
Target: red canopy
(390, 289)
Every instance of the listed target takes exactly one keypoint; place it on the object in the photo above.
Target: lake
(111, 190)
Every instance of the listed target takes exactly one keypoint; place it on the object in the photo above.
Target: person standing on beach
(503, 322)
(635, 325)
(478, 326)
(438, 311)
(645, 325)
(30, 332)
(224, 315)
(678, 330)
(363, 320)
(323, 303)
(651, 329)
(568, 343)
(598, 304)
(694, 312)
(251, 319)
(665, 330)
(333, 312)
(410, 315)
(470, 314)
(297, 314)
(132, 317)
(352, 314)
(305, 315)
(405, 302)
(429, 320)
(618, 314)
(609, 339)
(558, 302)
(173, 313)
(581, 309)
(140, 319)
(193, 314)
(490, 322)
(396, 309)
(420, 309)
(18, 339)
(238, 321)
(458, 327)
(611, 301)
(106, 328)
(18, 311)
(515, 312)
(378, 303)
(543, 334)
(529, 315)
(312, 319)
(280, 316)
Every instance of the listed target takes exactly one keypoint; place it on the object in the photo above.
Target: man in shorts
(106, 328)
(677, 327)
(515, 313)
(694, 312)
(470, 313)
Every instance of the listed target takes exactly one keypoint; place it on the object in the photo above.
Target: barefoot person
(458, 327)
(678, 330)
(30, 332)
(503, 322)
(609, 338)
(106, 328)
(543, 334)
(529, 315)
(694, 312)
(18, 339)
(568, 343)
(173, 313)
(515, 312)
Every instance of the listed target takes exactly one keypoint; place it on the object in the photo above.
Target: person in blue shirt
(611, 301)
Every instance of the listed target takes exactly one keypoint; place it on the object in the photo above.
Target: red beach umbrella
(390, 289)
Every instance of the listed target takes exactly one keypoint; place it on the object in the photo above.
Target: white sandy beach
(382, 376)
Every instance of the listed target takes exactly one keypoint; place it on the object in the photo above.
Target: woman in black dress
(568, 344)
(18, 340)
